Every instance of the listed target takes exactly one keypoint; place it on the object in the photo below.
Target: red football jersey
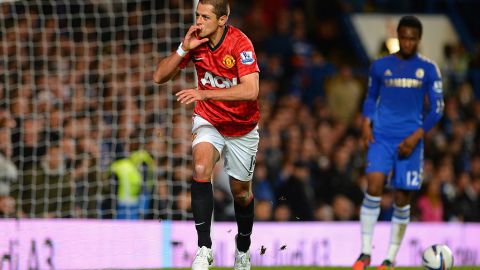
(222, 67)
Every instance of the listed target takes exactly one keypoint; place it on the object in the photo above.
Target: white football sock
(369, 213)
(400, 219)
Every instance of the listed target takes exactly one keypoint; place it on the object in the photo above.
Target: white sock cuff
(373, 198)
(371, 202)
(401, 214)
(402, 208)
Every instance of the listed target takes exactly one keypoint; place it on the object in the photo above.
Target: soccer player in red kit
(225, 120)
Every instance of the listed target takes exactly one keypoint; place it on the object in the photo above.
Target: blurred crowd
(84, 132)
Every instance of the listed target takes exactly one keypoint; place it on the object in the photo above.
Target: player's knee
(242, 196)
(201, 172)
(374, 190)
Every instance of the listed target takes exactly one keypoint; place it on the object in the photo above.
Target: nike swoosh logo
(197, 59)
(198, 224)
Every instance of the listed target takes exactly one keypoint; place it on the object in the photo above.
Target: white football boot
(203, 259)
(242, 260)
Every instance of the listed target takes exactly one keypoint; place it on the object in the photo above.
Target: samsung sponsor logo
(404, 83)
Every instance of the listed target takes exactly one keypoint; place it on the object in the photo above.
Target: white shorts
(239, 152)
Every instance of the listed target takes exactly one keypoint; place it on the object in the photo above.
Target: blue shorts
(407, 172)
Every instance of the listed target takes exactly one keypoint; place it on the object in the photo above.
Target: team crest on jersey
(228, 61)
(387, 73)
(420, 73)
(246, 57)
(437, 86)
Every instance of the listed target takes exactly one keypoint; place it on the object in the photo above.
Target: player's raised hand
(190, 95)
(191, 40)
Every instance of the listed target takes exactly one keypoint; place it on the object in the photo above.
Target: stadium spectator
(7, 206)
(296, 192)
(319, 70)
(262, 187)
(124, 196)
(182, 204)
(8, 171)
(467, 201)
(429, 204)
(27, 148)
(88, 187)
(343, 94)
(282, 212)
(343, 208)
(45, 190)
(263, 210)
(323, 212)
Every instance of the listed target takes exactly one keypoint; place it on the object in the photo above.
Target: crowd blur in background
(84, 132)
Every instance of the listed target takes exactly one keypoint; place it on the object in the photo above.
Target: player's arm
(433, 114)
(247, 89)
(370, 105)
(436, 103)
(168, 67)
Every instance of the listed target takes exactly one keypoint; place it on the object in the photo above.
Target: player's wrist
(180, 51)
(203, 94)
(420, 133)
(367, 123)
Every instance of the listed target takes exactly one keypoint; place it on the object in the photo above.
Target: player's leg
(369, 212)
(379, 163)
(239, 164)
(407, 177)
(400, 220)
(244, 207)
(204, 158)
(244, 215)
(207, 145)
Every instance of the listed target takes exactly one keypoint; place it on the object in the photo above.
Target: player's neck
(215, 38)
(405, 57)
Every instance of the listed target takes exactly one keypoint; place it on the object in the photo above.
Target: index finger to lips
(194, 28)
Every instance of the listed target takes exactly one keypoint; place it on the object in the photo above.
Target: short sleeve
(245, 57)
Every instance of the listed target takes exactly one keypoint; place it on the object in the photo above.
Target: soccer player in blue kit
(396, 117)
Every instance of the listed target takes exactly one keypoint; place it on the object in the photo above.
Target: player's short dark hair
(410, 21)
(220, 7)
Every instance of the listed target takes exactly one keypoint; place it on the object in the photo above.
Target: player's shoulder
(428, 63)
(382, 62)
(237, 34)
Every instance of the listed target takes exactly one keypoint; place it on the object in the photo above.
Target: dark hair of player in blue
(410, 21)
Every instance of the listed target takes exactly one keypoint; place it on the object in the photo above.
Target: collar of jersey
(221, 40)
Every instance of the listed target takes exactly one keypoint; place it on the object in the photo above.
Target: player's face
(208, 20)
(408, 37)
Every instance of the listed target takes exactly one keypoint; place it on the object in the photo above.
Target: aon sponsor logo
(217, 81)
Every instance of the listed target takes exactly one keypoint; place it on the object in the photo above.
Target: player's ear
(222, 20)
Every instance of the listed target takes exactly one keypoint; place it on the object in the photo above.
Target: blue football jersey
(395, 101)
